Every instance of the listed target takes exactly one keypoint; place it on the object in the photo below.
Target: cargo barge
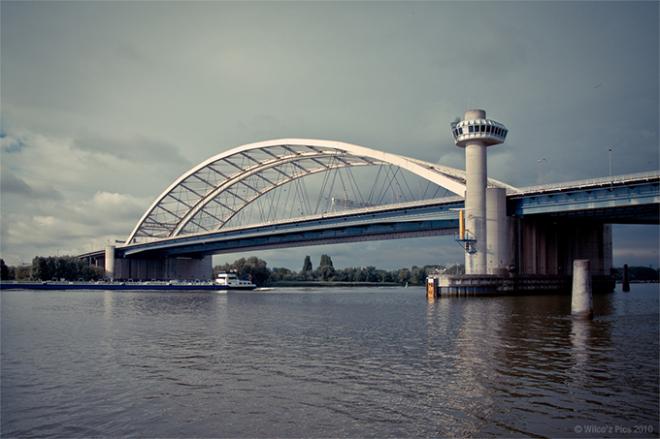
(224, 282)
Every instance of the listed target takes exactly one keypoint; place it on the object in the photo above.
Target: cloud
(82, 226)
(59, 198)
(67, 165)
(10, 144)
(138, 149)
(14, 186)
(11, 184)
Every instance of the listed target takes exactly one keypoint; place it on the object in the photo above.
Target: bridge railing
(600, 181)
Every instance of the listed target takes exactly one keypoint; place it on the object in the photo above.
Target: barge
(224, 282)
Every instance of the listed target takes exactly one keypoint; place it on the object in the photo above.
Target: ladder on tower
(463, 237)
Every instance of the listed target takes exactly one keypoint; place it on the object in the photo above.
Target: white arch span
(182, 208)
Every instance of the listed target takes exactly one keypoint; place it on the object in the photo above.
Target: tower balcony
(486, 131)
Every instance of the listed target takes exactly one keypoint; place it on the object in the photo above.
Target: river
(365, 362)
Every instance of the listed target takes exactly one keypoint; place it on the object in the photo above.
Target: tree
(22, 272)
(417, 275)
(326, 270)
(307, 265)
(326, 261)
(4, 271)
(40, 269)
(63, 267)
(455, 269)
(279, 274)
(639, 273)
(403, 275)
(371, 274)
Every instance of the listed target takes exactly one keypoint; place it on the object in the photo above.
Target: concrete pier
(581, 301)
(156, 268)
(497, 232)
(110, 262)
(490, 284)
(475, 205)
(549, 246)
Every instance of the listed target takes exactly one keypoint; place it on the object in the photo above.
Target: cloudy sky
(105, 103)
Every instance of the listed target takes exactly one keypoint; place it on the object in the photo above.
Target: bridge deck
(630, 199)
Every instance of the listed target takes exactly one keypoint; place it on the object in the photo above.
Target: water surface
(377, 362)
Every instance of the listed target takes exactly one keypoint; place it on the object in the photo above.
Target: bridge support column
(581, 302)
(110, 262)
(497, 232)
(475, 206)
(189, 268)
(548, 246)
(199, 268)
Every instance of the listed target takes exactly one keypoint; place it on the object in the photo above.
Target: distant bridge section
(623, 199)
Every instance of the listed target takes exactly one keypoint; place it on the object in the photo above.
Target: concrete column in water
(497, 232)
(110, 262)
(581, 302)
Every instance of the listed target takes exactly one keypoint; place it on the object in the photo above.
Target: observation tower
(475, 133)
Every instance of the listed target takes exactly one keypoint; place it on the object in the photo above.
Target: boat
(231, 282)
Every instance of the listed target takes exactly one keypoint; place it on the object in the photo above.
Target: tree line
(257, 270)
(638, 273)
(52, 268)
(71, 268)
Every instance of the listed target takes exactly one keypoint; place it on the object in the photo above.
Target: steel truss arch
(259, 168)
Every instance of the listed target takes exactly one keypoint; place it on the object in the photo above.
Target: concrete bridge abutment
(547, 246)
(163, 268)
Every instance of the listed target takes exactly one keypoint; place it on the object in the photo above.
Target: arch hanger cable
(256, 182)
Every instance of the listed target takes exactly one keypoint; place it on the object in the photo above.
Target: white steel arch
(257, 168)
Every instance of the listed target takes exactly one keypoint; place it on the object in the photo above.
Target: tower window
(471, 128)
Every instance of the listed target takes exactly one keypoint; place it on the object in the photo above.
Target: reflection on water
(326, 363)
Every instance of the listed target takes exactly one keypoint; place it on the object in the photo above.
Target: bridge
(297, 192)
